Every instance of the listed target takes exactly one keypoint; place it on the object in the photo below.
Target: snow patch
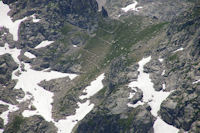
(44, 107)
(131, 95)
(195, 82)
(29, 55)
(75, 46)
(13, 52)
(84, 108)
(164, 86)
(28, 81)
(44, 44)
(180, 49)
(94, 87)
(11, 108)
(150, 96)
(163, 73)
(162, 127)
(35, 20)
(161, 60)
(66, 125)
(7, 22)
(135, 105)
(131, 7)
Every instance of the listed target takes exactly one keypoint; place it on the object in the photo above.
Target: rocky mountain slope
(104, 66)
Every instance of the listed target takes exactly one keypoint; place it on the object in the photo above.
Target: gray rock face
(157, 9)
(65, 99)
(117, 102)
(1, 123)
(79, 12)
(119, 74)
(10, 95)
(32, 34)
(55, 85)
(155, 69)
(144, 121)
(163, 10)
(116, 74)
(137, 97)
(138, 120)
(7, 93)
(195, 127)
(34, 124)
(3, 108)
(181, 109)
(8, 1)
(7, 65)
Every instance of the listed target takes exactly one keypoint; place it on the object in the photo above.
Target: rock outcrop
(137, 120)
(34, 124)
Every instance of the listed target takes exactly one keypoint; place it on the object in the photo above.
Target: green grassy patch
(16, 123)
(67, 28)
(112, 39)
(196, 11)
(173, 57)
(128, 35)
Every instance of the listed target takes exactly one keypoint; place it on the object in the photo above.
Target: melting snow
(163, 73)
(163, 86)
(29, 55)
(35, 20)
(131, 95)
(195, 82)
(11, 108)
(66, 125)
(7, 22)
(152, 97)
(94, 87)
(28, 81)
(43, 44)
(180, 49)
(131, 7)
(161, 60)
(84, 108)
(13, 52)
(162, 127)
